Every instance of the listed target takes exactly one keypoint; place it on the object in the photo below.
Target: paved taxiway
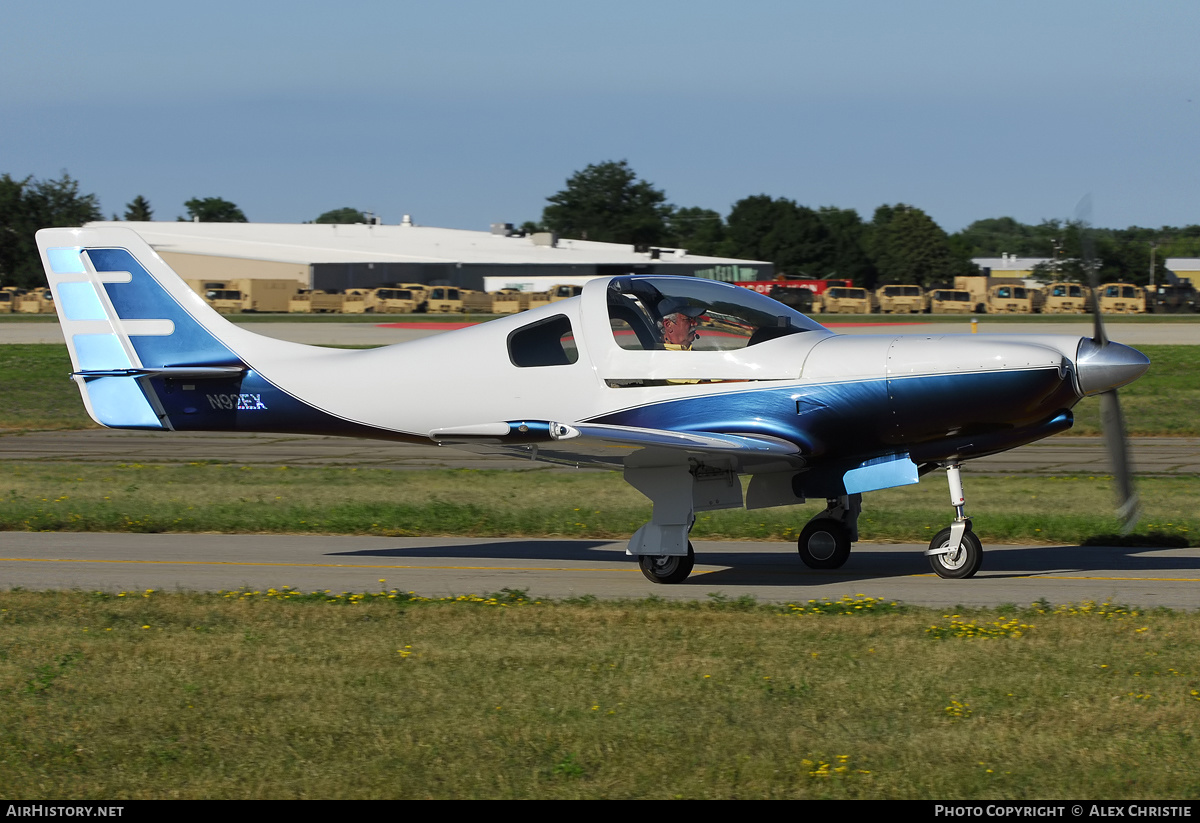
(561, 568)
(439, 567)
(370, 334)
(1057, 455)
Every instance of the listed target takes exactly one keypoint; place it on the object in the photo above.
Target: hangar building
(335, 257)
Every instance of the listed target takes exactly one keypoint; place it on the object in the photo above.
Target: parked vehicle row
(1007, 298)
(263, 295)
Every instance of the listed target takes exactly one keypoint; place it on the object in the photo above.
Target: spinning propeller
(1104, 365)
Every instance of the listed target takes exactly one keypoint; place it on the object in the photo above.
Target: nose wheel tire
(963, 562)
(824, 544)
(668, 568)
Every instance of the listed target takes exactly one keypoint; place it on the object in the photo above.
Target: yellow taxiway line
(518, 568)
(311, 565)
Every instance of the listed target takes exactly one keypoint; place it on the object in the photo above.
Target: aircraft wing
(591, 443)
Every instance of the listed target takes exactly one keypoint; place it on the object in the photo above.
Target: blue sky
(467, 113)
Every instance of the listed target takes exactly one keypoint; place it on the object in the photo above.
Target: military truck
(1067, 298)
(1171, 298)
(800, 299)
(311, 301)
(951, 301)
(226, 301)
(8, 299)
(845, 300)
(247, 294)
(402, 299)
(1013, 300)
(1122, 298)
(899, 300)
(38, 301)
(508, 301)
(448, 299)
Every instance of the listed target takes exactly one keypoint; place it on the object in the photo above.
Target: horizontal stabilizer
(189, 372)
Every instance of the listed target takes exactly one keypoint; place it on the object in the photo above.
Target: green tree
(907, 246)
(1181, 242)
(848, 235)
(791, 236)
(28, 205)
(139, 209)
(608, 203)
(213, 210)
(700, 231)
(995, 236)
(343, 216)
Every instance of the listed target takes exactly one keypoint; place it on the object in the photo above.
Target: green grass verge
(38, 396)
(494, 503)
(182, 695)
(37, 393)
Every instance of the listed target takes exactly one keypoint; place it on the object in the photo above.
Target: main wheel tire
(668, 568)
(824, 544)
(959, 564)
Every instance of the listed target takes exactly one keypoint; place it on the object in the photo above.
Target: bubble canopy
(726, 316)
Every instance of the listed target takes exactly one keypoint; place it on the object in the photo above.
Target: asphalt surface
(368, 334)
(563, 568)
(440, 567)
(1057, 455)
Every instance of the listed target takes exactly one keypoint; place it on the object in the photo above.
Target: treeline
(900, 244)
(607, 202)
(29, 204)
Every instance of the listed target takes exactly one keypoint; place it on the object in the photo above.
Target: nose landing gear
(955, 552)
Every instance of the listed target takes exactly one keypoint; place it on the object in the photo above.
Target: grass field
(268, 695)
(382, 695)
(38, 396)
(243, 499)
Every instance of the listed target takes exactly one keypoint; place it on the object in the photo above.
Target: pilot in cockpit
(679, 322)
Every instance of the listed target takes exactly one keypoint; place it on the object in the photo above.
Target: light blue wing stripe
(882, 474)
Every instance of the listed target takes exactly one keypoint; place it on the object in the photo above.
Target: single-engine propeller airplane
(684, 384)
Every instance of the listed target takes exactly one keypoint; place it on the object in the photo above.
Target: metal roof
(1010, 262)
(307, 243)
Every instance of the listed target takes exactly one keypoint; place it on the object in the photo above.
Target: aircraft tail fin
(128, 319)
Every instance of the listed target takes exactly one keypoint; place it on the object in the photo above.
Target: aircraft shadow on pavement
(775, 565)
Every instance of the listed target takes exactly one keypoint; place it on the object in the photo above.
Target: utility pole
(1153, 246)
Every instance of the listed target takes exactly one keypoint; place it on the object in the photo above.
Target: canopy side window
(631, 326)
(644, 314)
(549, 342)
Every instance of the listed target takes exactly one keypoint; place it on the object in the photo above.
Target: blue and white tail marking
(149, 353)
(122, 328)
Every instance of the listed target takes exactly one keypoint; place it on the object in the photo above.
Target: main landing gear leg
(664, 553)
(956, 552)
(825, 541)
